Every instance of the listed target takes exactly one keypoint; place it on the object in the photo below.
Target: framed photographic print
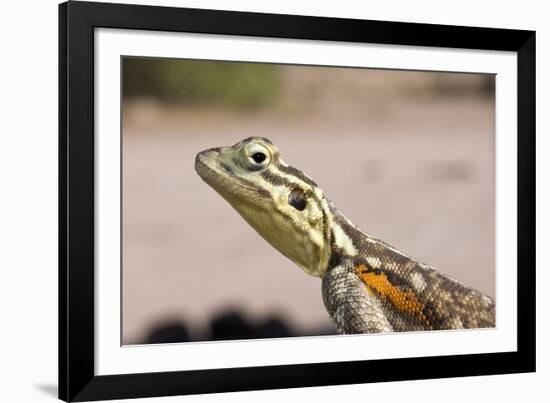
(260, 201)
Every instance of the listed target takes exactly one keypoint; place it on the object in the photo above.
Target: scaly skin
(367, 285)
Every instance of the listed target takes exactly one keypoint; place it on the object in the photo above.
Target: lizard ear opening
(297, 199)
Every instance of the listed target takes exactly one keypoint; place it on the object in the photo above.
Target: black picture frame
(77, 379)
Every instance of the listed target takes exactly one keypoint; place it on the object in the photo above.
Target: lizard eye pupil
(297, 199)
(259, 157)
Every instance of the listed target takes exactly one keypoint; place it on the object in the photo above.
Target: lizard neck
(346, 239)
(351, 243)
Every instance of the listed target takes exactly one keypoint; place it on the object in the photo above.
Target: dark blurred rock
(274, 327)
(231, 325)
(170, 332)
(327, 330)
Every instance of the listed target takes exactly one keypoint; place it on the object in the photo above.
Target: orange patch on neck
(405, 301)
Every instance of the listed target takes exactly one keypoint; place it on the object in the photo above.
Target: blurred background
(407, 156)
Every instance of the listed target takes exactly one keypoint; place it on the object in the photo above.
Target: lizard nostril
(211, 151)
(209, 154)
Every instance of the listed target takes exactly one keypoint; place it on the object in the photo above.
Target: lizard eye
(257, 156)
(297, 199)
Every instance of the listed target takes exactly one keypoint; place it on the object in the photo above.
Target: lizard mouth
(216, 175)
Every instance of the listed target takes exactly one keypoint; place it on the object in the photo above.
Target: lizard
(367, 285)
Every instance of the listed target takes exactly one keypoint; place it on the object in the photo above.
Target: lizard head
(280, 202)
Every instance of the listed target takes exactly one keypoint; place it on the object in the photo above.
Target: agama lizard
(367, 285)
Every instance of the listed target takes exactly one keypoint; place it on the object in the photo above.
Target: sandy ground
(418, 175)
